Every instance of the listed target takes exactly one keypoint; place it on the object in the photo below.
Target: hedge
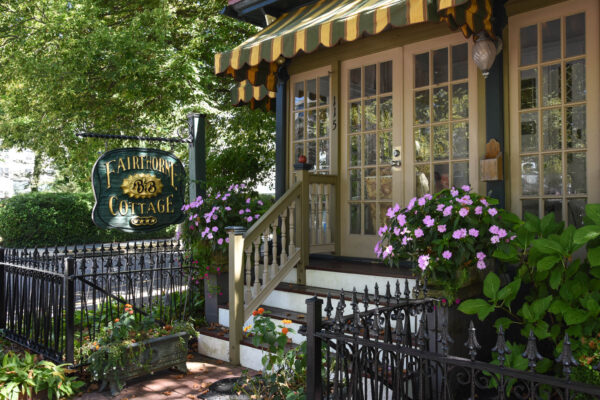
(43, 219)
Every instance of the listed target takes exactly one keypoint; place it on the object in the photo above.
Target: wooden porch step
(322, 262)
(222, 332)
(280, 313)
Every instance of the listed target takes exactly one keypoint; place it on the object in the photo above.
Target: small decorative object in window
(485, 51)
(302, 159)
(491, 168)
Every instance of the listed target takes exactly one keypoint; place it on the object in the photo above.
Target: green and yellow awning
(255, 96)
(328, 23)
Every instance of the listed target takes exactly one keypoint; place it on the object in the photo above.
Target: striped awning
(327, 23)
(255, 96)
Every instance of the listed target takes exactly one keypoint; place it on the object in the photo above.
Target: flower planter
(150, 356)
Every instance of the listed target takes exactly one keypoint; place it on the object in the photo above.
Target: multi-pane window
(311, 122)
(552, 118)
(441, 118)
(369, 145)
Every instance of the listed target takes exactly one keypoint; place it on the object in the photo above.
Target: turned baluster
(328, 191)
(283, 238)
(292, 213)
(266, 256)
(312, 222)
(319, 231)
(256, 286)
(274, 266)
(248, 267)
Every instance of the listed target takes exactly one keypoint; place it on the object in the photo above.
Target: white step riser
(347, 281)
(250, 357)
(296, 337)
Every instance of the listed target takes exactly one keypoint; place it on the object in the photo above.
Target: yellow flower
(246, 329)
(286, 321)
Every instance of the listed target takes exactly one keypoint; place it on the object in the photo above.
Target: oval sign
(138, 190)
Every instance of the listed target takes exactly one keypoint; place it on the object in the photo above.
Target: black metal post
(494, 123)
(281, 131)
(2, 291)
(197, 155)
(70, 310)
(314, 385)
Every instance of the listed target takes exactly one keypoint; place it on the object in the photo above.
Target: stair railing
(260, 258)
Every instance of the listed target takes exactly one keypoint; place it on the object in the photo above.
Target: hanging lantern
(485, 51)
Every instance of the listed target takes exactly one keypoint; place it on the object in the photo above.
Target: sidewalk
(203, 371)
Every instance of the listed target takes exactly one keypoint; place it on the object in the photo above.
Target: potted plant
(130, 347)
(449, 238)
(204, 234)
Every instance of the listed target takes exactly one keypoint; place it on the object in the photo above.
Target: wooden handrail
(323, 179)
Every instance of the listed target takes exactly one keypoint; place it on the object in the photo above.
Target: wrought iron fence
(399, 348)
(53, 301)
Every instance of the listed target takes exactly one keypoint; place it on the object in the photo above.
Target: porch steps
(324, 275)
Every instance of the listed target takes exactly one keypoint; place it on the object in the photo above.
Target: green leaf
(509, 292)
(527, 313)
(547, 246)
(594, 256)
(540, 306)
(476, 306)
(592, 211)
(556, 278)
(558, 307)
(575, 316)
(541, 330)
(547, 263)
(505, 322)
(491, 284)
(585, 234)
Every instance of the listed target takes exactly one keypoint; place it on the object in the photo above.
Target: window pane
(422, 107)
(371, 149)
(323, 154)
(383, 207)
(440, 104)
(460, 61)
(385, 185)
(575, 76)
(311, 157)
(422, 70)
(324, 90)
(370, 218)
(529, 45)
(576, 211)
(370, 183)
(422, 179)
(440, 142)
(385, 112)
(575, 26)
(370, 80)
(355, 87)
(355, 150)
(528, 88)
(440, 66)
(311, 124)
(323, 122)
(460, 101)
(355, 117)
(385, 77)
(529, 132)
(441, 177)
(553, 174)
(355, 219)
(530, 176)
(422, 144)
(531, 207)
(553, 206)
(299, 125)
(311, 89)
(298, 150)
(551, 85)
(460, 174)
(552, 129)
(299, 96)
(385, 147)
(551, 40)
(370, 115)
(575, 126)
(576, 173)
(460, 140)
(355, 182)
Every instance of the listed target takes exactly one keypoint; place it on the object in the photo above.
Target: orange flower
(128, 305)
(254, 313)
(97, 347)
(131, 312)
(116, 319)
(286, 321)
(246, 329)
(284, 330)
(261, 310)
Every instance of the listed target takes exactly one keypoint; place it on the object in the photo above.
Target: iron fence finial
(472, 344)
(531, 352)
(501, 347)
(566, 357)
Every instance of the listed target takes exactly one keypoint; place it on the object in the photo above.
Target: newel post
(314, 384)
(303, 224)
(236, 291)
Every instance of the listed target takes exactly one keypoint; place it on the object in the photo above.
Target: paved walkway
(203, 371)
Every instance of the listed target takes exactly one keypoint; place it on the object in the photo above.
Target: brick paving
(203, 371)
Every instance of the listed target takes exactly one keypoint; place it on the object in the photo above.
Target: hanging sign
(138, 190)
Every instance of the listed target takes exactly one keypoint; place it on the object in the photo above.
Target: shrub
(48, 219)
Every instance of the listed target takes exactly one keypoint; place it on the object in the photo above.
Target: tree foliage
(131, 68)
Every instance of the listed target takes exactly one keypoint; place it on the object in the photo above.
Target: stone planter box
(154, 355)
